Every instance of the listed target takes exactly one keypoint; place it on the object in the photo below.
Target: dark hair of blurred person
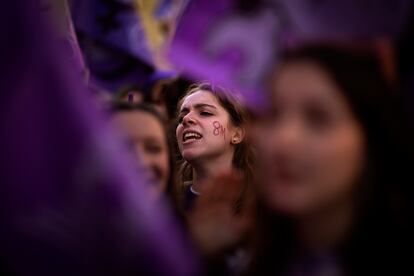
(132, 94)
(144, 129)
(168, 92)
(162, 91)
(335, 182)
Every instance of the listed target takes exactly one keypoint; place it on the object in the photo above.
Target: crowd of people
(315, 183)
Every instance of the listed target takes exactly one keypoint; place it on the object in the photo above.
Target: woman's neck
(325, 230)
(208, 169)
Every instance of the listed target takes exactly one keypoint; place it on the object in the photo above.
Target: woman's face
(146, 137)
(205, 131)
(311, 147)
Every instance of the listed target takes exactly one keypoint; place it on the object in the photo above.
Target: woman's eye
(318, 119)
(153, 148)
(205, 113)
(271, 116)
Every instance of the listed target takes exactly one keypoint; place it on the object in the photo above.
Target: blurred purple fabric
(214, 42)
(70, 203)
(235, 44)
(113, 42)
(113, 22)
(347, 18)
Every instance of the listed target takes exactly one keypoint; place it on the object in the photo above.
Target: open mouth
(189, 136)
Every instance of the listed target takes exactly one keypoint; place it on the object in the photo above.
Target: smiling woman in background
(143, 128)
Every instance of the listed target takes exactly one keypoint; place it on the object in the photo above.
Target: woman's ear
(238, 136)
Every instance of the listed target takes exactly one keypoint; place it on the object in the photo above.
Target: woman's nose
(188, 119)
(289, 135)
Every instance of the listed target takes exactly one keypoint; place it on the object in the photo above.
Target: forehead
(304, 79)
(138, 124)
(200, 97)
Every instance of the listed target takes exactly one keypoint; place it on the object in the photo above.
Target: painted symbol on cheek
(219, 129)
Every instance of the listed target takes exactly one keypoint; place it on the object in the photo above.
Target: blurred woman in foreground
(335, 177)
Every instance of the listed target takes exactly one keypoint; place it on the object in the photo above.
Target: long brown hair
(239, 116)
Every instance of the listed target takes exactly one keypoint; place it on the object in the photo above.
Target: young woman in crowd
(335, 182)
(216, 172)
(211, 136)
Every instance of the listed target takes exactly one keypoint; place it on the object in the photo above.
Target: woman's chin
(190, 155)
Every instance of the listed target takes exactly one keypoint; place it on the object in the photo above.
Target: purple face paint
(219, 129)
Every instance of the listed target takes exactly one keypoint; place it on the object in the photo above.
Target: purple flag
(70, 202)
(235, 43)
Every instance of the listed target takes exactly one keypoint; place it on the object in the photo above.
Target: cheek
(337, 164)
(178, 136)
(218, 129)
(161, 164)
(164, 163)
(161, 161)
(331, 166)
(262, 140)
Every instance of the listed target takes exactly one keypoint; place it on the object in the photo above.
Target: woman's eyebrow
(184, 110)
(196, 106)
(201, 105)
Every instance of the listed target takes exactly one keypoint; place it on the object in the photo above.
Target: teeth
(191, 135)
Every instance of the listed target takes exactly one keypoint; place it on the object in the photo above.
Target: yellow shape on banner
(153, 29)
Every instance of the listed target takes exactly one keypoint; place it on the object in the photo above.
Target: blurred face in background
(146, 137)
(310, 144)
